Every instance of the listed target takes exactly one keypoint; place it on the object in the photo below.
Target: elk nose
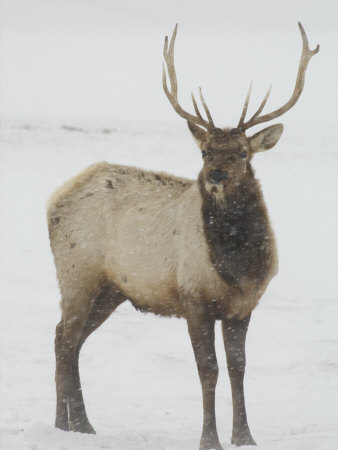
(218, 175)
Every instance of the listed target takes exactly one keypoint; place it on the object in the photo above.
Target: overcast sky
(102, 60)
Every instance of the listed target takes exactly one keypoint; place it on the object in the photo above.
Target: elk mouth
(215, 189)
(219, 189)
(211, 181)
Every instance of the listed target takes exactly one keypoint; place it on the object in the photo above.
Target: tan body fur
(143, 231)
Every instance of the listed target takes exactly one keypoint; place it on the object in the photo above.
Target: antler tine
(298, 89)
(168, 53)
(206, 109)
(306, 42)
(169, 59)
(245, 107)
(197, 111)
(261, 107)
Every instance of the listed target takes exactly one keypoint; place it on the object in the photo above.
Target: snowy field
(81, 83)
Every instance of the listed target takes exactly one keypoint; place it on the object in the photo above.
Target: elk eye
(204, 153)
(243, 155)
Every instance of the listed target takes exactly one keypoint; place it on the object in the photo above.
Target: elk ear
(266, 139)
(198, 133)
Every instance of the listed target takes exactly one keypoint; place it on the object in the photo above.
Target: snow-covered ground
(138, 372)
(95, 67)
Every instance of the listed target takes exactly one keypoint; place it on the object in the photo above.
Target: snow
(97, 66)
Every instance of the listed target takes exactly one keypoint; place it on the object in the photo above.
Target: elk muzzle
(217, 176)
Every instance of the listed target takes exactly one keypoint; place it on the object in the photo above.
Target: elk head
(227, 152)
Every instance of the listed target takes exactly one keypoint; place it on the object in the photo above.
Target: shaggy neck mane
(237, 232)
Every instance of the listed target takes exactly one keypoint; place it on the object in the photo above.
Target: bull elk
(199, 249)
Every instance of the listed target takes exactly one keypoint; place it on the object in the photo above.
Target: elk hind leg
(76, 329)
(61, 420)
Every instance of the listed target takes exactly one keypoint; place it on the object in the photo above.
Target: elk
(199, 249)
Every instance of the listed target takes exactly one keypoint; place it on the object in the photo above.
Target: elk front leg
(202, 334)
(234, 334)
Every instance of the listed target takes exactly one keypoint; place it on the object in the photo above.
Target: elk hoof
(243, 440)
(212, 447)
(88, 429)
(210, 444)
(82, 428)
(62, 425)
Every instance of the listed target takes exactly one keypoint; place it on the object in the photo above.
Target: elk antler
(172, 94)
(304, 61)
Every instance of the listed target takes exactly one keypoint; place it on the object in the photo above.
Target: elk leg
(68, 383)
(234, 334)
(68, 387)
(61, 420)
(202, 334)
(109, 298)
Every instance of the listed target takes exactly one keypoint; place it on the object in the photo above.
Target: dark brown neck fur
(238, 232)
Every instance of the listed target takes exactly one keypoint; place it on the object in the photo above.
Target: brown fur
(238, 234)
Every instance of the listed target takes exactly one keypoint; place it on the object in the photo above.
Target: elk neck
(238, 233)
